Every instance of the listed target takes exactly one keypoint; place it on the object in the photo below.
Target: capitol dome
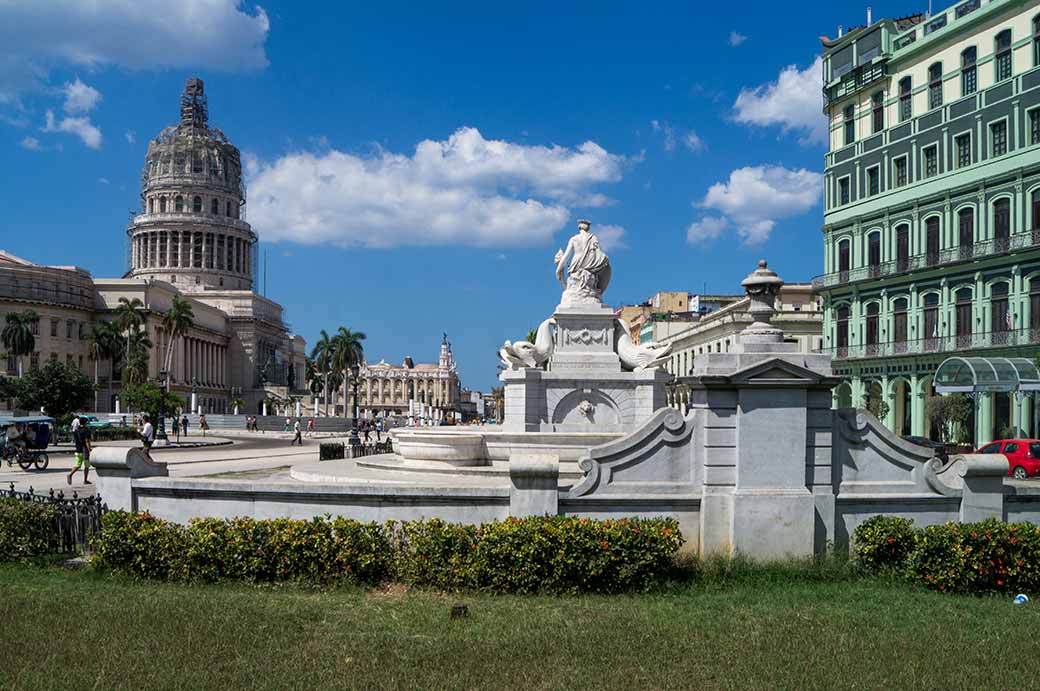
(192, 230)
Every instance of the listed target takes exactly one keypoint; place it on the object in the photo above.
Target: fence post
(983, 495)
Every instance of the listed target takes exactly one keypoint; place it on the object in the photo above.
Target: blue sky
(413, 168)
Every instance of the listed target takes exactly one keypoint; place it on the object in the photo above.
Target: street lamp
(355, 370)
(163, 382)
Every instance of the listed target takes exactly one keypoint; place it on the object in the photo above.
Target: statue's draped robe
(589, 256)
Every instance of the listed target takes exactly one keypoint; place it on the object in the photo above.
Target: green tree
(136, 370)
(947, 412)
(130, 317)
(348, 351)
(17, 335)
(57, 388)
(176, 322)
(148, 397)
(532, 336)
(876, 406)
(105, 343)
(321, 356)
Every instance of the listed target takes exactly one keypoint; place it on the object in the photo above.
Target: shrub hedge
(550, 554)
(27, 529)
(988, 556)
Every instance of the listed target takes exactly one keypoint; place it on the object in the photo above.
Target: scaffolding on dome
(986, 374)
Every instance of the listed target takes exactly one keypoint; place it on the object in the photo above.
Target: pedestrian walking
(176, 427)
(287, 424)
(310, 427)
(379, 429)
(368, 432)
(296, 439)
(203, 425)
(81, 438)
(147, 435)
(184, 424)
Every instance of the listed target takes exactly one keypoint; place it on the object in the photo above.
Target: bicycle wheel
(42, 459)
(25, 461)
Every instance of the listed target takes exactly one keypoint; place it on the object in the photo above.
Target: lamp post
(163, 382)
(355, 370)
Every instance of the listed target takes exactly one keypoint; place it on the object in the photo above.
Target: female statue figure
(588, 273)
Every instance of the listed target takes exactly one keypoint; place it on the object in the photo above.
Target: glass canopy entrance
(982, 374)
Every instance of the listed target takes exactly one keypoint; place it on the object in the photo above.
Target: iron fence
(77, 520)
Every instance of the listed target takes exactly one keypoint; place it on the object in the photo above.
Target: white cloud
(754, 199)
(30, 143)
(611, 237)
(693, 142)
(103, 181)
(131, 137)
(735, 39)
(794, 102)
(464, 190)
(80, 98)
(707, 228)
(143, 34)
(82, 127)
(672, 136)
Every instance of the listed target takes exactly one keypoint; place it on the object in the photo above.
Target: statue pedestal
(583, 388)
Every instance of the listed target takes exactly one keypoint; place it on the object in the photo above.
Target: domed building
(191, 239)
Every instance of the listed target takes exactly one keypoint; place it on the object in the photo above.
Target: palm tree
(237, 404)
(129, 316)
(349, 352)
(17, 335)
(105, 343)
(321, 356)
(138, 345)
(176, 322)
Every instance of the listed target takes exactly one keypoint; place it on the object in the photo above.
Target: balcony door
(899, 325)
(842, 335)
(1001, 225)
(902, 247)
(966, 232)
(1035, 204)
(1000, 316)
(963, 314)
(872, 329)
(931, 322)
(931, 230)
(874, 254)
(844, 260)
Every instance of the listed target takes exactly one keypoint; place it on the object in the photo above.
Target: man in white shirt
(147, 434)
(296, 439)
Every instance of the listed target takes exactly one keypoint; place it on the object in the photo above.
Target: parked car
(93, 421)
(938, 446)
(1023, 456)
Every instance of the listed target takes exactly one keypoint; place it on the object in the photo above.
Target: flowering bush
(552, 554)
(27, 529)
(883, 542)
(988, 556)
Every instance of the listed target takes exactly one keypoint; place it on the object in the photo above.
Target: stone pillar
(534, 484)
(983, 495)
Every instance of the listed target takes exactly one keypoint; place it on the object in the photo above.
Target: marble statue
(636, 358)
(523, 354)
(586, 277)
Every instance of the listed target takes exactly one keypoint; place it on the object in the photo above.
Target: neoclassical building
(932, 206)
(421, 391)
(190, 239)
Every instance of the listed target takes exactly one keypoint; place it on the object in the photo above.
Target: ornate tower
(192, 230)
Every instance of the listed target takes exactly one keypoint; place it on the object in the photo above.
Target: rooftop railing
(944, 257)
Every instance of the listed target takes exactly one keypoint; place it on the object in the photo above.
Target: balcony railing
(937, 344)
(950, 255)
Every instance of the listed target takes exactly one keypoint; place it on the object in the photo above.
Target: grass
(786, 626)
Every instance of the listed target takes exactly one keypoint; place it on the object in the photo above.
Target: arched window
(1034, 303)
(214, 207)
(196, 205)
(1001, 224)
(906, 110)
(899, 324)
(1000, 316)
(872, 333)
(850, 124)
(844, 258)
(229, 209)
(151, 205)
(842, 333)
(903, 247)
(178, 204)
(877, 111)
(935, 95)
(1034, 200)
(931, 321)
(1002, 61)
(874, 254)
(969, 75)
(966, 232)
(162, 205)
(963, 317)
(931, 232)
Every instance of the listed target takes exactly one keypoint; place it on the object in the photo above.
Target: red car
(1023, 456)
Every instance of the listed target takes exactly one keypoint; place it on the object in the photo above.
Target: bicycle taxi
(25, 440)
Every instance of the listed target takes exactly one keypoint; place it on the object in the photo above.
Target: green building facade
(932, 206)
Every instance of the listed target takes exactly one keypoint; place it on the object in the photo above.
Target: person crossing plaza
(297, 439)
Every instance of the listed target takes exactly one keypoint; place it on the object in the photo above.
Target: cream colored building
(190, 239)
(798, 314)
(422, 391)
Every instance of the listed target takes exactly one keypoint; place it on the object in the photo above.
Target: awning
(971, 374)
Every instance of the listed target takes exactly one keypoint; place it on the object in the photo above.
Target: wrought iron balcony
(937, 344)
(950, 255)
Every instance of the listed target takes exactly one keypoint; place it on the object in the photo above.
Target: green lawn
(86, 630)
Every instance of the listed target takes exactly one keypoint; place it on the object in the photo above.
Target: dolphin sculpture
(522, 354)
(634, 357)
